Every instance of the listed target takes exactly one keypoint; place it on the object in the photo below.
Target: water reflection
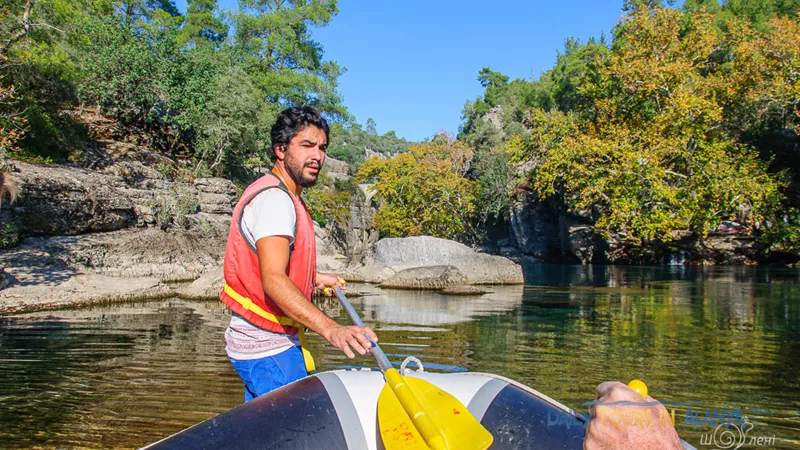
(433, 309)
(124, 376)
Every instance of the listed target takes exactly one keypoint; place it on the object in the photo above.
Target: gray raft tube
(318, 412)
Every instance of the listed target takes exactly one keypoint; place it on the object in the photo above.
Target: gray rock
(326, 244)
(336, 169)
(165, 255)
(57, 200)
(430, 277)
(463, 290)
(216, 195)
(534, 225)
(216, 203)
(543, 230)
(215, 186)
(371, 273)
(330, 263)
(207, 287)
(422, 251)
(80, 290)
(357, 236)
(39, 280)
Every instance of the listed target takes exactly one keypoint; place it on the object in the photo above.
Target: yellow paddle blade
(440, 420)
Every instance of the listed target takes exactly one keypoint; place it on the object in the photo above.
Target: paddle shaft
(380, 357)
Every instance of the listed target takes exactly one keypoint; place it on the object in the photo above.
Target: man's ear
(280, 151)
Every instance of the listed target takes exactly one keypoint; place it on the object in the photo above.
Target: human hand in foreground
(326, 281)
(623, 420)
(344, 337)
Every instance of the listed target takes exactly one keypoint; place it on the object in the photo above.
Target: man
(270, 265)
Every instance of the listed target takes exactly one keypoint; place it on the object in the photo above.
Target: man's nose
(318, 154)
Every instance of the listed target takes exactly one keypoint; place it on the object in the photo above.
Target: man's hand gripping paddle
(415, 414)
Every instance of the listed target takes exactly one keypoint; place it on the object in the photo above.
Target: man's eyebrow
(312, 143)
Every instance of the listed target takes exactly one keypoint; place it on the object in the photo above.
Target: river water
(706, 339)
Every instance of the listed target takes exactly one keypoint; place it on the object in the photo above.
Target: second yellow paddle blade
(459, 427)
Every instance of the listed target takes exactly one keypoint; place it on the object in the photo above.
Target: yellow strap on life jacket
(248, 305)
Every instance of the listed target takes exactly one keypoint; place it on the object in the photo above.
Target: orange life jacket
(243, 292)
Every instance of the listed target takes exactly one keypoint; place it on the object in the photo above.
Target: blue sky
(411, 65)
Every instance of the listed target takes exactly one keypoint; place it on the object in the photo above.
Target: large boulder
(398, 254)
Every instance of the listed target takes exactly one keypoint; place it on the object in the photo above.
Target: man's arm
(273, 258)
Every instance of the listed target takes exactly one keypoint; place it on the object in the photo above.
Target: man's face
(306, 153)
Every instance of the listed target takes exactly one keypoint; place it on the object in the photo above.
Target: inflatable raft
(337, 410)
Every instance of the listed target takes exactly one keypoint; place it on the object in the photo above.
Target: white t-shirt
(270, 213)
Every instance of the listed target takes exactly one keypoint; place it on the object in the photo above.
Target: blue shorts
(267, 374)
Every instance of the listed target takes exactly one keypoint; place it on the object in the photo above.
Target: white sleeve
(270, 213)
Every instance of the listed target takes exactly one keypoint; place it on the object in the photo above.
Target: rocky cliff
(118, 229)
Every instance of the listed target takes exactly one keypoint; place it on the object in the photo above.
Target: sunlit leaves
(647, 154)
(423, 191)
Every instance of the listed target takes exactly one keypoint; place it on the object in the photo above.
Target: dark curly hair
(293, 120)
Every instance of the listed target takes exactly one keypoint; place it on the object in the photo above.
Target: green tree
(372, 127)
(495, 83)
(234, 129)
(201, 26)
(39, 36)
(282, 58)
(147, 80)
(135, 12)
(423, 191)
(647, 152)
(350, 144)
(12, 123)
(571, 67)
(495, 180)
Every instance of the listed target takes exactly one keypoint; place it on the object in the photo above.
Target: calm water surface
(722, 338)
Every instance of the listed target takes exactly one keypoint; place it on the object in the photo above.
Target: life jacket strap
(248, 305)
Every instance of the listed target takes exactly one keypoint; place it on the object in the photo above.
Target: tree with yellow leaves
(423, 191)
(654, 149)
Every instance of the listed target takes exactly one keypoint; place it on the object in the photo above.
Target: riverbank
(136, 264)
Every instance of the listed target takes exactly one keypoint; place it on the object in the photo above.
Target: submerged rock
(430, 277)
(463, 290)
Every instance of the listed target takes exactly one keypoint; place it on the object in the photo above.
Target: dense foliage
(423, 191)
(683, 119)
(12, 123)
(354, 144)
(688, 119)
(203, 87)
